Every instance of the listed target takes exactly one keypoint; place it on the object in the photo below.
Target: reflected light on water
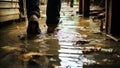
(71, 56)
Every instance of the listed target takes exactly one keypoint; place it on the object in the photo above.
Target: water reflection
(70, 54)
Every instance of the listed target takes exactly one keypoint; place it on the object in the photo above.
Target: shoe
(51, 29)
(33, 26)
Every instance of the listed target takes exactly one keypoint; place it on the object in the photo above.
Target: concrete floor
(78, 44)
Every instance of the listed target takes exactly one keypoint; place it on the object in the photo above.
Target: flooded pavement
(78, 43)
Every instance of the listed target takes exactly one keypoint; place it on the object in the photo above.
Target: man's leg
(33, 13)
(53, 14)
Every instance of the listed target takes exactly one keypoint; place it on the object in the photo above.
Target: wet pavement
(77, 43)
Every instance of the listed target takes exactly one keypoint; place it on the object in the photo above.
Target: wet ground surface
(77, 43)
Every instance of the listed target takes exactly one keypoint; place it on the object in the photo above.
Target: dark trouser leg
(53, 12)
(33, 8)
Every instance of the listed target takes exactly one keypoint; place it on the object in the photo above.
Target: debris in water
(82, 42)
(52, 59)
(109, 50)
(30, 55)
(11, 48)
(21, 36)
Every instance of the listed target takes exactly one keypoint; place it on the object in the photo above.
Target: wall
(9, 10)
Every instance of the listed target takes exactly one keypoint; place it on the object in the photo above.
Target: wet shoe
(51, 29)
(33, 26)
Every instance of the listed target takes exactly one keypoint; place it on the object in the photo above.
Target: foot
(33, 26)
(51, 29)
